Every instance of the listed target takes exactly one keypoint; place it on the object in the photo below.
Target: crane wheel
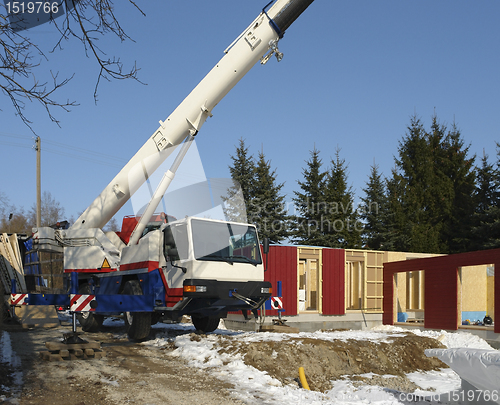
(138, 324)
(205, 324)
(88, 321)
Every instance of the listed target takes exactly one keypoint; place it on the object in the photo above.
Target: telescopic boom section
(257, 42)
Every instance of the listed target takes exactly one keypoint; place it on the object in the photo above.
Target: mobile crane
(156, 266)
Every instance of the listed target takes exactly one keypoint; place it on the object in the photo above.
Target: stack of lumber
(11, 263)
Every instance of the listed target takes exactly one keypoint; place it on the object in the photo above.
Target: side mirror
(265, 245)
(265, 248)
(184, 269)
(173, 254)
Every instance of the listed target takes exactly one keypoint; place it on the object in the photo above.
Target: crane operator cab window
(157, 220)
(220, 241)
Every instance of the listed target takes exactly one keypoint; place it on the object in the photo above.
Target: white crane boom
(257, 42)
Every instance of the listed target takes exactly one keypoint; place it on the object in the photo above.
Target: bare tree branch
(94, 19)
(85, 20)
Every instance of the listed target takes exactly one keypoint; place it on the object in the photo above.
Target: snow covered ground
(8, 357)
(252, 385)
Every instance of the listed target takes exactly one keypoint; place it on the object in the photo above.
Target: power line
(66, 154)
(87, 151)
(95, 157)
(102, 158)
(10, 135)
(15, 144)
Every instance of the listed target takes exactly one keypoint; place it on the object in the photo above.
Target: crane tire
(205, 324)
(138, 324)
(88, 321)
(155, 318)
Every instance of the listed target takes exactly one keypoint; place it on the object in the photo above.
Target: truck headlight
(266, 290)
(195, 288)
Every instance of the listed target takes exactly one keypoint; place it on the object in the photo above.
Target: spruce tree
(433, 184)
(341, 225)
(234, 204)
(486, 230)
(267, 204)
(240, 194)
(486, 186)
(397, 235)
(374, 211)
(411, 180)
(310, 204)
(458, 170)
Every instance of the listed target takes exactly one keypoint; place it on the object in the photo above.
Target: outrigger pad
(78, 350)
(73, 338)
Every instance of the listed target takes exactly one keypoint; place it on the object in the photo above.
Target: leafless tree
(12, 219)
(4, 207)
(4, 200)
(52, 212)
(85, 20)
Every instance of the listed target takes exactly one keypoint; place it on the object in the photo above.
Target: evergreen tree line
(436, 199)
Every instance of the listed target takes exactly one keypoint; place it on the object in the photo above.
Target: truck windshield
(219, 241)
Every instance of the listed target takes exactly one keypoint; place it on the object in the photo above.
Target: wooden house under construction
(324, 288)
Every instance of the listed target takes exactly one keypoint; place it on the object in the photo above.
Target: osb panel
(474, 288)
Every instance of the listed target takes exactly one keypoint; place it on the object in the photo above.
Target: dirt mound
(325, 361)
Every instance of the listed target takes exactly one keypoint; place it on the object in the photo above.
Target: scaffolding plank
(9, 261)
(18, 261)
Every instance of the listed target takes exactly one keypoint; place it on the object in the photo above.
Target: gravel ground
(129, 373)
(133, 373)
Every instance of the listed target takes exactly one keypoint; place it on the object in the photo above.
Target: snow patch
(9, 357)
(255, 385)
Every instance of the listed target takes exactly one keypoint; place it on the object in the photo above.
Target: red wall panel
(282, 266)
(333, 281)
(441, 306)
(441, 284)
(388, 301)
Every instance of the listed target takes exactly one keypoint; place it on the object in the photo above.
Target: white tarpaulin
(479, 367)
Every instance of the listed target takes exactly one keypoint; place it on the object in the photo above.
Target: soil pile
(324, 361)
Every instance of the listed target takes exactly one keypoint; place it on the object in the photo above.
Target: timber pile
(11, 268)
(11, 263)
(58, 351)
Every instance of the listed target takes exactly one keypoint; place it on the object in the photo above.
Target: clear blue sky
(353, 74)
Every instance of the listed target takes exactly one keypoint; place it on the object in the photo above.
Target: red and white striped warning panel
(18, 299)
(81, 302)
(276, 302)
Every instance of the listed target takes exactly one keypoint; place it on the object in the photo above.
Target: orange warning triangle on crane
(105, 264)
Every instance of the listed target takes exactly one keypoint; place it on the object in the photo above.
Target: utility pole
(38, 183)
